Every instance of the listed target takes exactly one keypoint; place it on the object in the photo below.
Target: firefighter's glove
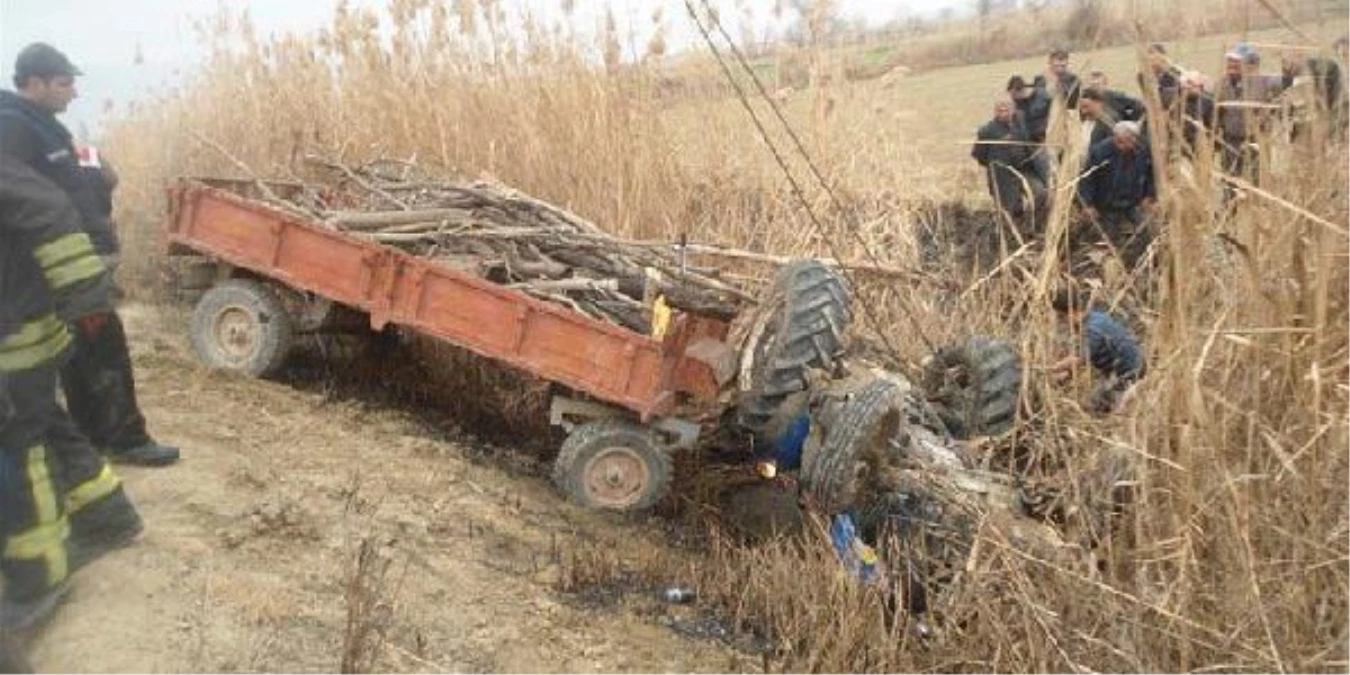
(90, 326)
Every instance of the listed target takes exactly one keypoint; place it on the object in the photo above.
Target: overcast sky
(102, 36)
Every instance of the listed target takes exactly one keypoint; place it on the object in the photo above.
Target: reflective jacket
(49, 271)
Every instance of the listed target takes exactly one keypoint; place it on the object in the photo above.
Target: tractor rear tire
(974, 386)
(613, 464)
(800, 327)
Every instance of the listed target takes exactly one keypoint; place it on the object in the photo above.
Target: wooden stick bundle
(522, 242)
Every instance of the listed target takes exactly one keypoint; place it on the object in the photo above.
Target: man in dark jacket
(1116, 188)
(1197, 114)
(99, 383)
(1246, 112)
(61, 505)
(1096, 117)
(1058, 81)
(1033, 106)
(1004, 148)
(1167, 74)
(1107, 345)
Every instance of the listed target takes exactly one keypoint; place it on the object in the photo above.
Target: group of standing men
(1115, 184)
(61, 504)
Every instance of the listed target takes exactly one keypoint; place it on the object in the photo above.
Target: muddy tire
(856, 449)
(241, 325)
(974, 386)
(613, 464)
(800, 327)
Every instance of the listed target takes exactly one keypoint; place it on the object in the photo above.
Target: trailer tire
(856, 447)
(241, 325)
(800, 327)
(613, 464)
(973, 386)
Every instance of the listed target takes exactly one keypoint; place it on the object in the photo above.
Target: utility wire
(791, 177)
(849, 215)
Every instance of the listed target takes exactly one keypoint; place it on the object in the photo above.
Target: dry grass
(368, 609)
(1233, 555)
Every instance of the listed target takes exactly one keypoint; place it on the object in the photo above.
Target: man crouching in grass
(1108, 345)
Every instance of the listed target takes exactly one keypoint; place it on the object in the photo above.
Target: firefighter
(99, 384)
(63, 505)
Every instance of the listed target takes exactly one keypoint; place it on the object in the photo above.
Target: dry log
(537, 266)
(375, 220)
(564, 285)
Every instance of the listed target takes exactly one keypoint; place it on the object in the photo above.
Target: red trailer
(274, 273)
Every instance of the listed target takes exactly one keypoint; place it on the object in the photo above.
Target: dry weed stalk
(369, 609)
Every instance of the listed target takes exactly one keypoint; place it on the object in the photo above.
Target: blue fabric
(848, 547)
(788, 447)
(1117, 181)
(1111, 347)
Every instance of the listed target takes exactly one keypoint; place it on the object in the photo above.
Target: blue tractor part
(787, 448)
(854, 554)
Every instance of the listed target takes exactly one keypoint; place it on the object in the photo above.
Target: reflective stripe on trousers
(46, 539)
(92, 490)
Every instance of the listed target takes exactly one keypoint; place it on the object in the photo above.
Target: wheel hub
(237, 333)
(616, 477)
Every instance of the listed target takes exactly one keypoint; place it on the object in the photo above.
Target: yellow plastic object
(866, 554)
(767, 470)
(660, 317)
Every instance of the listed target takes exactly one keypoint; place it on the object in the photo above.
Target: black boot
(21, 614)
(147, 454)
(102, 527)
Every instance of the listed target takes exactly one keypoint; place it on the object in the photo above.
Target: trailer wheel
(856, 450)
(973, 386)
(800, 327)
(241, 324)
(613, 464)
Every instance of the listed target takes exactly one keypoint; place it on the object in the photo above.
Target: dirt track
(249, 539)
